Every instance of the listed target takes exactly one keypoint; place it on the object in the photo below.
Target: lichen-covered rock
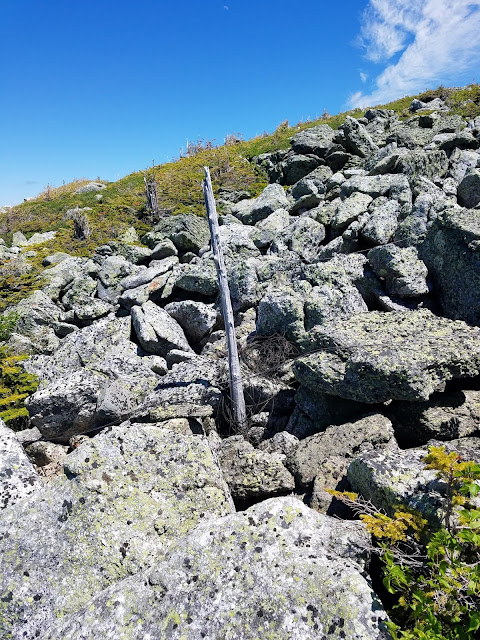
(394, 186)
(315, 411)
(146, 275)
(296, 166)
(157, 331)
(334, 299)
(382, 223)
(196, 318)
(461, 162)
(451, 252)
(198, 278)
(251, 211)
(80, 291)
(357, 138)
(91, 186)
(251, 473)
(469, 189)
(309, 191)
(278, 570)
(191, 382)
(340, 442)
(350, 209)
(131, 252)
(404, 273)
(304, 236)
(114, 269)
(18, 477)
(392, 477)
(127, 495)
(242, 282)
(430, 164)
(445, 416)
(187, 232)
(139, 295)
(37, 319)
(56, 278)
(281, 312)
(164, 249)
(83, 348)
(316, 140)
(66, 405)
(93, 378)
(374, 357)
(282, 443)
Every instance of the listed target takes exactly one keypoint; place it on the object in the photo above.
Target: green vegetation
(15, 383)
(122, 204)
(435, 573)
(7, 325)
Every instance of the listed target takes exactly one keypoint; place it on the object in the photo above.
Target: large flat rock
(127, 494)
(277, 570)
(18, 477)
(451, 252)
(374, 357)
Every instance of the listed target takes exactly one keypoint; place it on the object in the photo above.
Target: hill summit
(130, 504)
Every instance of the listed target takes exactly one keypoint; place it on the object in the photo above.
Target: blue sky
(102, 87)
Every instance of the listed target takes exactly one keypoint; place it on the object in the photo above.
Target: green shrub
(435, 573)
(7, 325)
(15, 385)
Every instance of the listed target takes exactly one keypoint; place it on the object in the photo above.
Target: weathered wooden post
(236, 386)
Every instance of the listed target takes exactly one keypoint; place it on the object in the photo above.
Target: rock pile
(355, 282)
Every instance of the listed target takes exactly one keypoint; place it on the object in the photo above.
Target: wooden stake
(236, 386)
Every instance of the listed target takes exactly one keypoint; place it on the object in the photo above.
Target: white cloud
(438, 40)
(363, 77)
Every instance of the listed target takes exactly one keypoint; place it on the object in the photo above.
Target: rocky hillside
(129, 506)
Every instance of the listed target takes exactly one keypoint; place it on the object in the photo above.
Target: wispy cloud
(437, 40)
(30, 182)
(226, 7)
(363, 77)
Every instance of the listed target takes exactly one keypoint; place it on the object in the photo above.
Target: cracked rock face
(18, 477)
(303, 573)
(251, 473)
(374, 357)
(127, 494)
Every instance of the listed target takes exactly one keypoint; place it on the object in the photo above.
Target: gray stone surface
(187, 232)
(251, 473)
(445, 416)
(113, 270)
(18, 477)
(316, 140)
(349, 210)
(197, 319)
(91, 186)
(357, 138)
(342, 442)
(281, 311)
(373, 357)
(404, 273)
(381, 224)
(127, 495)
(198, 278)
(451, 253)
(157, 331)
(461, 162)
(251, 211)
(469, 189)
(392, 477)
(277, 570)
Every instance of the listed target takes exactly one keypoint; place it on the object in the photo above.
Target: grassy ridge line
(123, 201)
(179, 190)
